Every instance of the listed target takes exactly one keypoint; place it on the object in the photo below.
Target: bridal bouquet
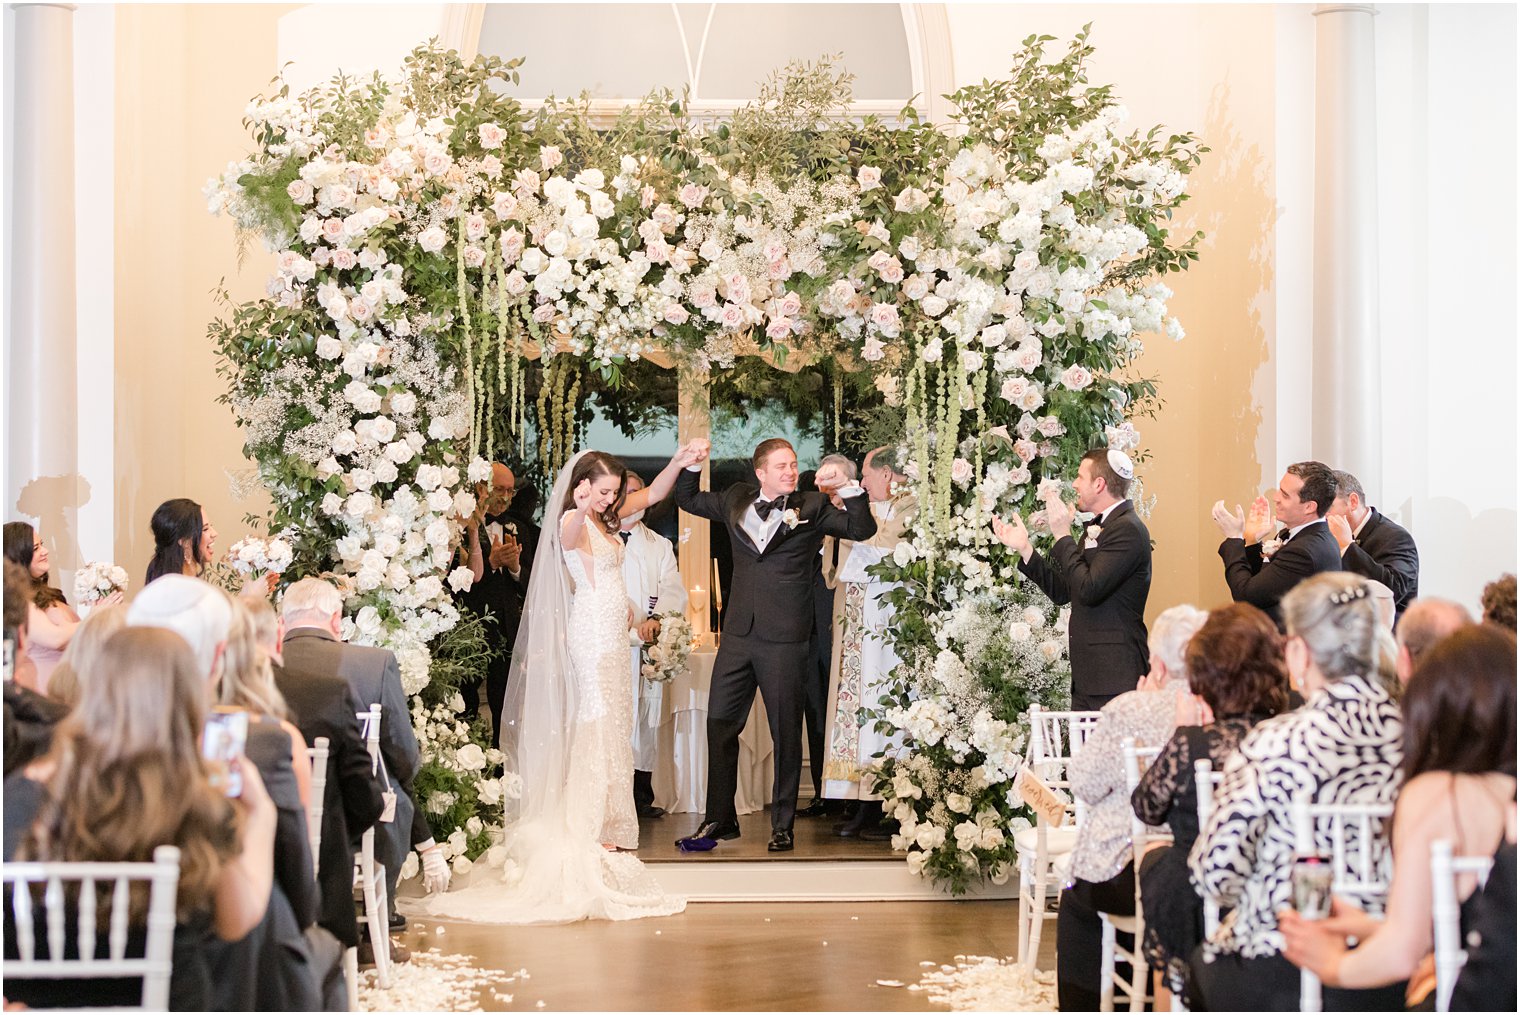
(98, 579)
(667, 656)
(255, 556)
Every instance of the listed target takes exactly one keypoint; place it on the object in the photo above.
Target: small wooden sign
(1033, 791)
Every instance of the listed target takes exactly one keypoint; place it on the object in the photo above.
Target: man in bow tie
(1260, 575)
(776, 534)
(1106, 579)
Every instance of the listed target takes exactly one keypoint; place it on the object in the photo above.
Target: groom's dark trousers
(767, 626)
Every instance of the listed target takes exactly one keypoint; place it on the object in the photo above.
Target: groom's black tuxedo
(1107, 586)
(767, 624)
(1263, 583)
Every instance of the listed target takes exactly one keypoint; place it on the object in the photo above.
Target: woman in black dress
(1237, 676)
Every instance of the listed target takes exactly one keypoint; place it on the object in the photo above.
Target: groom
(776, 535)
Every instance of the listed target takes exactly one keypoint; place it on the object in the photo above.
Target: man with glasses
(507, 545)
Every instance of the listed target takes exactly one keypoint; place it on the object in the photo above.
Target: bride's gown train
(557, 869)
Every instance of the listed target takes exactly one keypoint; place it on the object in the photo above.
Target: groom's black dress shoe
(716, 830)
(817, 809)
(781, 841)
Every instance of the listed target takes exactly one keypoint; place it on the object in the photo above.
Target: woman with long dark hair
(183, 538)
(1459, 785)
(51, 621)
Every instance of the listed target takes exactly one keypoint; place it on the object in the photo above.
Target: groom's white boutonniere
(1269, 548)
(1093, 532)
(790, 518)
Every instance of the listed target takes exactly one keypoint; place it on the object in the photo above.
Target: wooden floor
(816, 956)
(820, 956)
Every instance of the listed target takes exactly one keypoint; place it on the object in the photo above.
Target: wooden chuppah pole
(694, 552)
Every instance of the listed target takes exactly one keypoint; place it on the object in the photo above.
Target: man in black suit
(1106, 580)
(776, 535)
(323, 705)
(1372, 544)
(313, 611)
(507, 544)
(1261, 573)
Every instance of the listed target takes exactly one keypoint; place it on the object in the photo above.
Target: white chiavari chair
(156, 962)
(1053, 738)
(1446, 913)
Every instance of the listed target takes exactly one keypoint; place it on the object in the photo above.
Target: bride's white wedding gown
(558, 870)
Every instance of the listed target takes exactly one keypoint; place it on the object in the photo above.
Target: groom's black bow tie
(764, 507)
(1283, 536)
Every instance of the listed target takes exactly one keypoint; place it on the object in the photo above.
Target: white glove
(435, 870)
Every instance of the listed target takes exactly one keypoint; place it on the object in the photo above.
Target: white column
(1347, 404)
(41, 451)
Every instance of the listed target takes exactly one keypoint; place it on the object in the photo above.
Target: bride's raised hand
(583, 495)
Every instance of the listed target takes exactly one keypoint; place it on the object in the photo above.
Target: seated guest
(52, 621)
(1344, 746)
(183, 539)
(1372, 544)
(1261, 571)
(83, 652)
(125, 776)
(1459, 785)
(1487, 980)
(1101, 865)
(1426, 622)
(1236, 673)
(313, 612)
(29, 715)
(1499, 602)
(270, 970)
(322, 704)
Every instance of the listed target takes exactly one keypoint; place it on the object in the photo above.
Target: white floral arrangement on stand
(667, 656)
(97, 580)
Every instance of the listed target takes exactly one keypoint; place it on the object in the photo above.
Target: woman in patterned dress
(1344, 746)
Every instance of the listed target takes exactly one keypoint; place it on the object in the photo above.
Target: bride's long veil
(538, 712)
(555, 772)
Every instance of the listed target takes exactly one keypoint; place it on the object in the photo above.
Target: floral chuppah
(441, 252)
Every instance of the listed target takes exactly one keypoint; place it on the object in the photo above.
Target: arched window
(620, 52)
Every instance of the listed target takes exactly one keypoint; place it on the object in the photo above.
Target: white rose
(960, 471)
(934, 305)
(549, 156)
(869, 178)
(1019, 631)
(329, 348)
(367, 621)
(1076, 377)
(491, 135)
(345, 443)
(432, 239)
(556, 243)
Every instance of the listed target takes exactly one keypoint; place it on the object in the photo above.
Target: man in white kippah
(197, 612)
(1106, 578)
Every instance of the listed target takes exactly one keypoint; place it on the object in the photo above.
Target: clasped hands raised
(1251, 527)
(1013, 533)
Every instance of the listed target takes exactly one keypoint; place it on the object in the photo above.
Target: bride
(568, 720)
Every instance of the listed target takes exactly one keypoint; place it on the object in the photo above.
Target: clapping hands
(1239, 525)
(1013, 535)
(1059, 515)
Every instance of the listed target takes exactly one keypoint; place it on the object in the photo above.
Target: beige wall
(184, 75)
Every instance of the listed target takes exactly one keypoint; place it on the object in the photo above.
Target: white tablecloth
(680, 775)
